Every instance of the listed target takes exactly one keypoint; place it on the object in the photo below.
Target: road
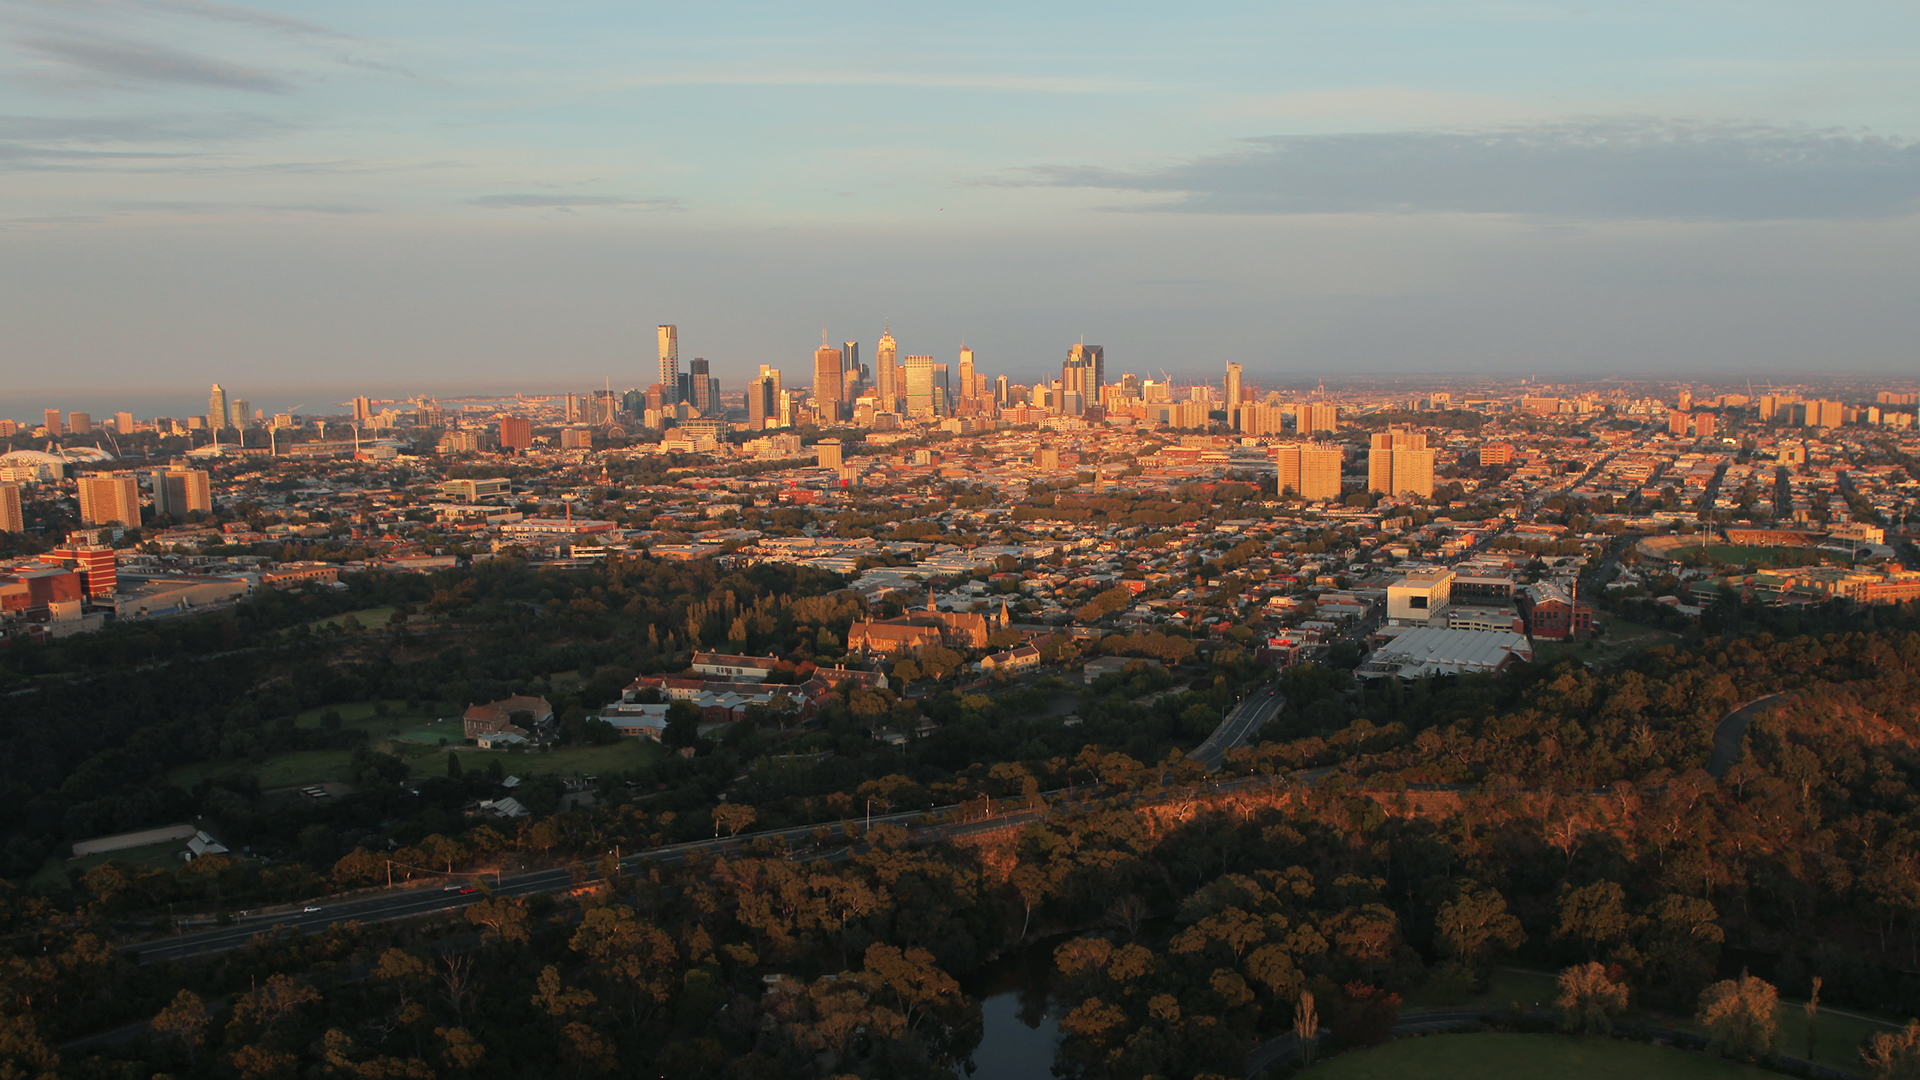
(1258, 707)
(1732, 731)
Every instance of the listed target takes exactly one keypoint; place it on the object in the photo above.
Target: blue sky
(427, 195)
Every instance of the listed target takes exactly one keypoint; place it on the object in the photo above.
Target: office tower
(1079, 385)
(53, 422)
(919, 386)
(179, 492)
(634, 402)
(571, 409)
(828, 392)
(8, 429)
(966, 373)
(1235, 391)
(656, 398)
(697, 382)
(1312, 470)
(1002, 390)
(853, 375)
(942, 391)
(79, 423)
(1092, 359)
(123, 423)
(889, 379)
(1400, 462)
(217, 408)
(242, 414)
(108, 499)
(670, 361)
(1676, 423)
(760, 402)
(1317, 417)
(95, 563)
(829, 451)
(516, 433)
(603, 409)
(12, 520)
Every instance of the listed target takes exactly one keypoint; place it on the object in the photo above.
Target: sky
(299, 198)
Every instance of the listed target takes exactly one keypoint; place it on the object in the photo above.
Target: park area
(1527, 1057)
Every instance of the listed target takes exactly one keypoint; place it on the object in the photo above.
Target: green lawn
(299, 767)
(370, 618)
(1532, 989)
(1621, 638)
(1527, 1057)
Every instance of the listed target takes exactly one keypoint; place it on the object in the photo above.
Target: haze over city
(409, 198)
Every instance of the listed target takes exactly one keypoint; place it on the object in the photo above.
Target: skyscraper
(853, 375)
(11, 518)
(699, 383)
(919, 387)
(109, 499)
(1094, 359)
(966, 373)
(242, 414)
(1234, 396)
(670, 362)
(362, 409)
(217, 408)
(828, 390)
(1399, 462)
(889, 379)
(942, 391)
(763, 399)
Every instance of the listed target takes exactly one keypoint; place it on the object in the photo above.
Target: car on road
(308, 910)
(468, 890)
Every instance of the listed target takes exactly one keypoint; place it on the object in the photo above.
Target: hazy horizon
(423, 195)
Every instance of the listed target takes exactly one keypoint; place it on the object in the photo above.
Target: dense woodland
(1561, 815)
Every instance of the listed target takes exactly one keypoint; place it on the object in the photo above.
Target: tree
(1739, 1013)
(1306, 1026)
(271, 1002)
(184, 1021)
(1365, 1015)
(1590, 998)
(504, 918)
(1475, 923)
(1894, 1056)
(1595, 916)
(733, 817)
(454, 771)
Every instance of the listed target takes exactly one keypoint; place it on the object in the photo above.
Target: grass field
(369, 618)
(281, 770)
(1621, 638)
(1527, 1057)
(164, 855)
(1743, 555)
(1532, 989)
(426, 719)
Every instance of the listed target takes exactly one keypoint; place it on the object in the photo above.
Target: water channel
(1019, 1017)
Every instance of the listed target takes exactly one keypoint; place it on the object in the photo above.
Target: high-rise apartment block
(1497, 453)
(1399, 463)
(1817, 414)
(54, 427)
(1316, 417)
(12, 518)
(1235, 395)
(179, 492)
(830, 452)
(1677, 423)
(1703, 425)
(79, 423)
(1258, 419)
(362, 409)
(516, 433)
(1311, 470)
(242, 414)
(669, 342)
(109, 499)
(123, 423)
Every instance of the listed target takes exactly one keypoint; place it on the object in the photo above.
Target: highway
(1258, 707)
(429, 900)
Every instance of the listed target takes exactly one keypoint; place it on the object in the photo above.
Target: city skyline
(291, 188)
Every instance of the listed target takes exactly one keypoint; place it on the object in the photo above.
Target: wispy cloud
(568, 202)
(147, 62)
(1605, 169)
(1047, 84)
